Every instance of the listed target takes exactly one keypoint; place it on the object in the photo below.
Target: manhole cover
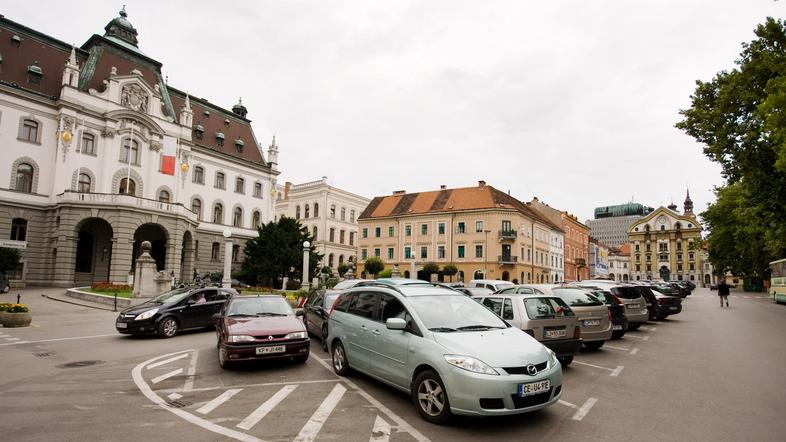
(79, 364)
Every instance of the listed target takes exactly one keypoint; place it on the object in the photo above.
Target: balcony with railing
(125, 200)
(507, 235)
(507, 259)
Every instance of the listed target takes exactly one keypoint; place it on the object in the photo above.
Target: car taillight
(576, 332)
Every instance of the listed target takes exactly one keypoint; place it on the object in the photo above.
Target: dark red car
(253, 328)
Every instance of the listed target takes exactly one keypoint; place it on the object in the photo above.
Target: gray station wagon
(449, 353)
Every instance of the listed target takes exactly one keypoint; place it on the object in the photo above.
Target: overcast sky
(570, 101)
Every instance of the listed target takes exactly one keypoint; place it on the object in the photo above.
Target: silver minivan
(635, 305)
(449, 353)
(547, 318)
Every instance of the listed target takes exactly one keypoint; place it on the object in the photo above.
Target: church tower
(688, 205)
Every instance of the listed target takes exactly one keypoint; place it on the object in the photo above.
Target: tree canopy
(739, 118)
(277, 250)
(373, 265)
(9, 259)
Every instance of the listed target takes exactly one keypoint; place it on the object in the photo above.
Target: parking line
(381, 431)
(266, 407)
(189, 384)
(166, 376)
(568, 404)
(263, 384)
(12, 339)
(650, 329)
(310, 431)
(643, 338)
(60, 339)
(634, 351)
(614, 347)
(166, 361)
(223, 397)
(584, 409)
(616, 372)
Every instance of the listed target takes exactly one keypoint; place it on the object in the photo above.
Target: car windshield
(451, 313)
(171, 297)
(546, 308)
(331, 299)
(259, 306)
(577, 297)
(343, 285)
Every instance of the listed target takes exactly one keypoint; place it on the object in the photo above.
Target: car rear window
(606, 297)
(364, 305)
(626, 292)
(577, 297)
(546, 308)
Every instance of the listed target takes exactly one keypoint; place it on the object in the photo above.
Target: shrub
(110, 287)
(387, 273)
(330, 283)
(14, 308)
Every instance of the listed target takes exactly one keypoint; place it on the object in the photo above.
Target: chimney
(443, 187)
(481, 184)
(287, 186)
(399, 192)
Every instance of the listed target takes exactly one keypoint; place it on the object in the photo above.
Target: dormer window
(34, 73)
(226, 122)
(220, 138)
(199, 131)
(207, 114)
(16, 40)
(239, 145)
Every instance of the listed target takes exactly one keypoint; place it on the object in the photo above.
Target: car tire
(617, 334)
(301, 359)
(565, 360)
(305, 323)
(167, 327)
(634, 325)
(594, 345)
(324, 338)
(431, 398)
(222, 360)
(340, 361)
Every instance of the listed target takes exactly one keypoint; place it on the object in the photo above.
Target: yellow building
(485, 233)
(666, 245)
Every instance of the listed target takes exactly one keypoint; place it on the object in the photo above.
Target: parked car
(619, 322)
(665, 305)
(474, 291)
(635, 305)
(593, 315)
(684, 283)
(665, 289)
(683, 289)
(316, 310)
(491, 284)
(449, 353)
(180, 309)
(346, 284)
(546, 318)
(252, 328)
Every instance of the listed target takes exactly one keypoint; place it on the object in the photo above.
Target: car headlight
(470, 364)
(552, 357)
(241, 338)
(146, 314)
(297, 335)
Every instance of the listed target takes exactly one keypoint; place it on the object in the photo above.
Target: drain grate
(44, 354)
(79, 364)
(177, 404)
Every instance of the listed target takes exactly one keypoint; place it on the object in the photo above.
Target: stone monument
(148, 281)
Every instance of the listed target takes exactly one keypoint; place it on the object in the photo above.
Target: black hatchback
(316, 310)
(173, 311)
(619, 322)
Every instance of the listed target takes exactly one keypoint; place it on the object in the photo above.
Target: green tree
(387, 273)
(342, 268)
(277, 250)
(739, 118)
(9, 259)
(450, 270)
(373, 265)
(429, 269)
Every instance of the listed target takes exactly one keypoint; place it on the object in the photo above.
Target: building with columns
(103, 154)
(330, 214)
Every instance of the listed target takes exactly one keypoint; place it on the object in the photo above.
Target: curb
(76, 303)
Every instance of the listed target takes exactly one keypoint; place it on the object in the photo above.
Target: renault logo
(531, 369)
(269, 338)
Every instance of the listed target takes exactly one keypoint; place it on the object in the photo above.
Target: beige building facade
(485, 233)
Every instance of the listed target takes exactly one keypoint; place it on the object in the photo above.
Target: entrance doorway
(157, 235)
(664, 273)
(93, 251)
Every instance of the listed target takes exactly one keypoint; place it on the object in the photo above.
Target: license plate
(636, 305)
(121, 325)
(616, 327)
(554, 333)
(269, 350)
(534, 388)
(590, 322)
(673, 307)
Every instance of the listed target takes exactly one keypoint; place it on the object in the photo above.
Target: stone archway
(158, 237)
(93, 251)
(707, 279)
(187, 258)
(478, 275)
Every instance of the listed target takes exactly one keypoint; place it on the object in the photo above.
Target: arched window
(343, 214)
(127, 186)
(218, 214)
(196, 207)
(130, 152)
(330, 260)
(305, 211)
(316, 210)
(24, 178)
(297, 212)
(88, 144)
(478, 275)
(163, 196)
(237, 217)
(314, 233)
(83, 185)
(255, 219)
(19, 229)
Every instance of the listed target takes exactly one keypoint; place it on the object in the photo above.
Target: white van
(491, 284)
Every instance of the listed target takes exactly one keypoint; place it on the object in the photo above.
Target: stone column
(306, 251)
(226, 281)
(145, 285)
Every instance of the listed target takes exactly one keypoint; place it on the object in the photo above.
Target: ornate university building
(102, 154)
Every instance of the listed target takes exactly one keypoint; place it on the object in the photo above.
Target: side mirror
(396, 324)
(217, 317)
(299, 312)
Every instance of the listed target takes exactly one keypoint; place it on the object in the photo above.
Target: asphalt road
(707, 374)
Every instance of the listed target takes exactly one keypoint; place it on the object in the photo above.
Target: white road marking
(265, 384)
(310, 431)
(568, 404)
(381, 431)
(614, 347)
(266, 407)
(584, 409)
(166, 376)
(60, 339)
(139, 380)
(650, 329)
(616, 372)
(634, 351)
(643, 338)
(12, 339)
(166, 361)
(174, 396)
(223, 397)
(189, 384)
(402, 424)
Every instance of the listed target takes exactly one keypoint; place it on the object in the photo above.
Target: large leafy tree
(9, 259)
(278, 252)
(739, 117)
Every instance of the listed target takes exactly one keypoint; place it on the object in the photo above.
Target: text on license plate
(636, 305)
(121, 325)
(590, 322)
(616, 327)
(554, 333)
(673, 307)
(269, 350)
(534, 388)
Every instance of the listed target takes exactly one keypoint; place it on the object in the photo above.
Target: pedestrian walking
(723, 293)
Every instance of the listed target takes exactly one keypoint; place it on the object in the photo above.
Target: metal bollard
(115, 309)
(18, 297)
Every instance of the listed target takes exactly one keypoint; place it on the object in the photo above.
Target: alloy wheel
(431, 397)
